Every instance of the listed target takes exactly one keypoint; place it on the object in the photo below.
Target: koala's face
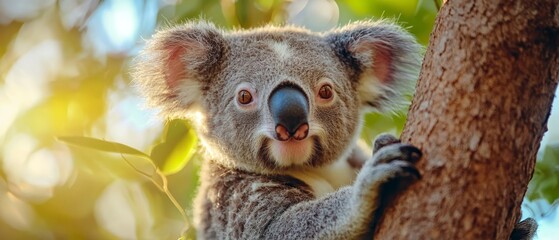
(277, 98)
(282, 99)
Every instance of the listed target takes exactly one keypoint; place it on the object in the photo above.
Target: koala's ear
(381, 59)
(177, 64)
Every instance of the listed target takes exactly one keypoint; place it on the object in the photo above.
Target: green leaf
(551, 154)
(177, 148)
(102, 145)
(533, 186)
(182, 154)
(548, 189)
(545, 182)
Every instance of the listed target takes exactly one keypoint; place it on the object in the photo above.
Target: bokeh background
(64, 71)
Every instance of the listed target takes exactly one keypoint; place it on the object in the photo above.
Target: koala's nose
(289, 108)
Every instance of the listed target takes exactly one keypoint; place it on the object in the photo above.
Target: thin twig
(163, 188)
(136, 169)
(173, 200)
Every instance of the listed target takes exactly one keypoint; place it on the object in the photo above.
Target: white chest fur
(326, 179)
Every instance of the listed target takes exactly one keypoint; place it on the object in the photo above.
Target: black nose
(289, 108)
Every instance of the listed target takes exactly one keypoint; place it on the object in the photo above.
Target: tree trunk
(479, 113)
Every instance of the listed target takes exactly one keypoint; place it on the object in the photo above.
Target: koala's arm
(349, 212)
(334, 216)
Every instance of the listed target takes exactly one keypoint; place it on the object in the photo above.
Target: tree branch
(479, 113)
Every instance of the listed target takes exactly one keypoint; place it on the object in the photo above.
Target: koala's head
(275, 98)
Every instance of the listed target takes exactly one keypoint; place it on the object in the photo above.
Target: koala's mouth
(284, 154)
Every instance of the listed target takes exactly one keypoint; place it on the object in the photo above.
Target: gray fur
(194, 70)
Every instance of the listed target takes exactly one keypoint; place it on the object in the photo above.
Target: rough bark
(480, 110)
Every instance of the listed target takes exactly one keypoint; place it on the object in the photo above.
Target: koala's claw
(384, 140)
(408, 170)
(412, 153)
(397, 151)
(388, 179)
(396, 174)
(393, 167)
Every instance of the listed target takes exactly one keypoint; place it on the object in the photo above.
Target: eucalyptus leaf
(177, 149)
(181, 155)
(102, 145)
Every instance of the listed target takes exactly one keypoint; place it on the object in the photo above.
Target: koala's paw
(396, 151)
(383, 140)
(392, 167)
(398, 172)
(524, 230)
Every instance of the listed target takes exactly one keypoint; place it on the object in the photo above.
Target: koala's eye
(244, 97)
(325, 92)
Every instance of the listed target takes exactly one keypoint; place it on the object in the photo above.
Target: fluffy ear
(382, 60)
(177, 64)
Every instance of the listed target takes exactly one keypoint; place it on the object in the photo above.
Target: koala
(279, 111)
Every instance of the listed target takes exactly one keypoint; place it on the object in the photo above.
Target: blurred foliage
(545, 182)
(64, 72)
(165, 158)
